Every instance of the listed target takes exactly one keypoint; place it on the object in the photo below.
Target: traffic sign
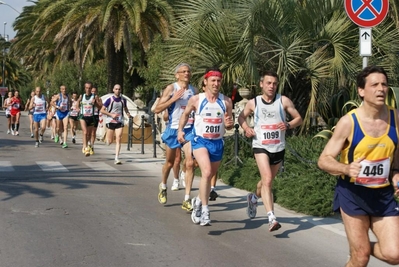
(3, 91)
(365, 42)
(367, 13)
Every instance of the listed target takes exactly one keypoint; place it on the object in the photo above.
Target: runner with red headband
(213, 115)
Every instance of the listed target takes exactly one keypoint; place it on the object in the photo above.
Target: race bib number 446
(373, 173)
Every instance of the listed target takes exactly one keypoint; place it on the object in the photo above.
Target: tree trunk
(115, 64)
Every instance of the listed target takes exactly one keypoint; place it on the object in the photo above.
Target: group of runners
(196, 125)
(64, 110)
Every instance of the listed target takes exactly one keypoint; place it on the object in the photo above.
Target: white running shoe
(37, 144)
(40, 138)
(205, 219)
(118, 162)
(251, 208)
(8, 131)
(274, 225)
(31, 135)
(12, 132)
(175, 185)
(182, 176)
(196, 213)
(16, 133)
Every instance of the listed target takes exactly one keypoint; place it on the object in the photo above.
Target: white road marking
(51, 166)
(5, 166)
(101, 166)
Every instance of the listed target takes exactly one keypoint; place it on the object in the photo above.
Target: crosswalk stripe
(5, 166)
(51, 166)
(101, 166)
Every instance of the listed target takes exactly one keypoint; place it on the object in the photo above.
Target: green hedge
(301, 187)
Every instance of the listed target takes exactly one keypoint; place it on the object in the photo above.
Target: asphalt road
(59, 208)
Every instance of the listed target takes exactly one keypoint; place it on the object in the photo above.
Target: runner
(268, 144)
(16, 105)
(113, 108)
(366, 139)
(86, 116)
(213, 115)
(61, 103)
(51, 120)
(7, 106)
(40, 105)
(174, 98)
(73, 115)
(30, 112)
(94, 91)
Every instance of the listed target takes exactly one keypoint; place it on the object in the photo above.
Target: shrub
(301, 187)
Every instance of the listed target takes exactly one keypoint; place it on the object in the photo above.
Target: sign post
(3, 92)
(366, 14)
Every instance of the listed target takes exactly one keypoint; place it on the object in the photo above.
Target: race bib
(212, 131)
(87, 110)
(73, 113)
(374, 173)
(63, 107)
(271, 134)
(39, 108)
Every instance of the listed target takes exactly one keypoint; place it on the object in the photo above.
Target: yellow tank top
(378, 152)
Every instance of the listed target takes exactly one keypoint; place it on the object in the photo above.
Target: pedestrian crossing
(56, 166)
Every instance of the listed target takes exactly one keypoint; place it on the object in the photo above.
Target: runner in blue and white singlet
(174, 99)
(213, 115)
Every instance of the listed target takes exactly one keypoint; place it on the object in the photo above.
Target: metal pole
(4, 55)
(236, 126)
(142, 134)
(365, 62)
(129, 135)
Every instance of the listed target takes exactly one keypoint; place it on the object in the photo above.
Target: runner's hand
(355, 167)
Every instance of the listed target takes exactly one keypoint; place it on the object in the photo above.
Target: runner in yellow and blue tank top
(366, 140)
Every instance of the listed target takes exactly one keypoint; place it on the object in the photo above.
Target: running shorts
(274, 158)
(215, 147)
(96, 120)
(61, 115)
(89, 120)
(169, 137)
(39, 117)
(360, 200)
(75, 118)
(114, 126)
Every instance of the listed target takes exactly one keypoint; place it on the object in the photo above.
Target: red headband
(213, 73)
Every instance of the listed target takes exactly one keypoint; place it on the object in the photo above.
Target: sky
(8, 14)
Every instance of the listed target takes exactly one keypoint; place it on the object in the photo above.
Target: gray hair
(182, 65)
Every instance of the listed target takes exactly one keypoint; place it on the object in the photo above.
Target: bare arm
(248, 110)
(228, 118)
(54, 101)
(327, 160)
(290, 109)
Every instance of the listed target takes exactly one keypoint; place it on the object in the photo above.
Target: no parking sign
(367, 13)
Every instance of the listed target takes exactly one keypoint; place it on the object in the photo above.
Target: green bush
(301, 187)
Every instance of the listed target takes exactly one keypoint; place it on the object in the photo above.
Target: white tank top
(87, 107)
(176, 110)
(40, 105)
(209, 118)
(7, 102)
(74, 109)
(266, 117)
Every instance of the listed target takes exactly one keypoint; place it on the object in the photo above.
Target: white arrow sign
(365, 42)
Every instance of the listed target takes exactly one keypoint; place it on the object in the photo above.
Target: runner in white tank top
(268, 140)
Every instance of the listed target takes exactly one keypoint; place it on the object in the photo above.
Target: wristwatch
(287, 125)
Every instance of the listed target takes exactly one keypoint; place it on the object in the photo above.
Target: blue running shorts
(39, 117)
(215, 147)
(61, 115)
(169, 137)
(360, 200)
